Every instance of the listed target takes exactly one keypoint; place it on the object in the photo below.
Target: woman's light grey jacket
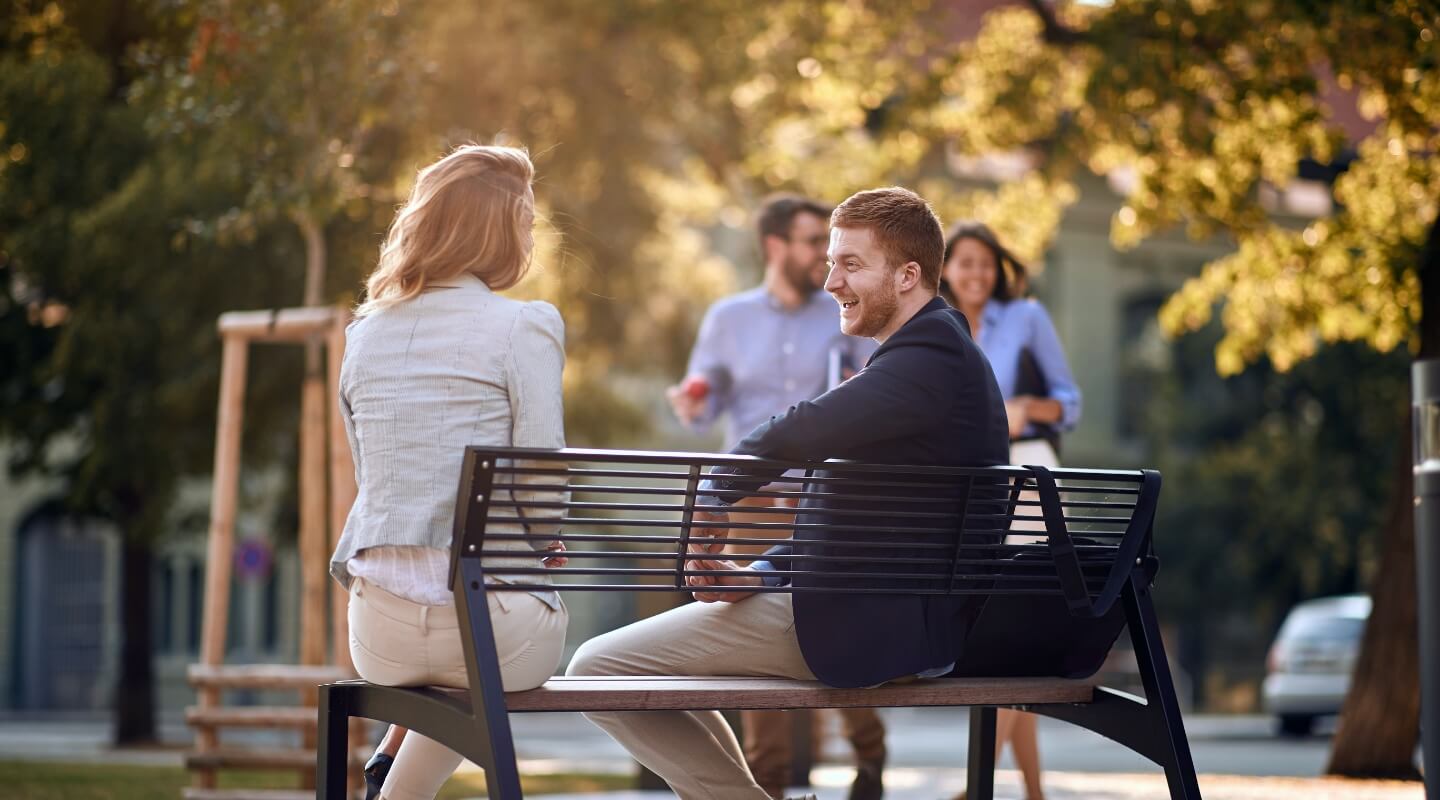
(459, 365)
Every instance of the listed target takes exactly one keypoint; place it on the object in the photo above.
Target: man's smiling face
(862, 281)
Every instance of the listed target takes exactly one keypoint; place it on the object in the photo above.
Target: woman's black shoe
(375, 771)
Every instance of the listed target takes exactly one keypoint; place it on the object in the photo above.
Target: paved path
(936, 737)
(905, 783)
(927, 747)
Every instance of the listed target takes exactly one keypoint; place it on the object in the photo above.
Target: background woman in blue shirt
(987, 283)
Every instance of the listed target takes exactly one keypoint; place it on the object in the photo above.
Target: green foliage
(656, 129)
(1207, 102)
(1207, 107)
(107, 302)
(1283, 478)
(307, 105)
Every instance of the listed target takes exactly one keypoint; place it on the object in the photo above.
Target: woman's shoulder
(1023, 309)
(539, 314)
(1018, 305)
(534, 322)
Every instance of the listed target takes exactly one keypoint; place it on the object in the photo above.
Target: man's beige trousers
(695, 751)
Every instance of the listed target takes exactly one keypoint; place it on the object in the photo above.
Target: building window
(1144, 355)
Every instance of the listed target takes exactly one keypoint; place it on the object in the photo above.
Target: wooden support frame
(327, 490)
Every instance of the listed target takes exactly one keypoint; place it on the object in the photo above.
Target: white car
(1308, 671)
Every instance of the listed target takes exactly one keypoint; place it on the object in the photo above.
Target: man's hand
(557, 560)
(718, 534)
(739, 576)
(1017, 412)
(688, 398)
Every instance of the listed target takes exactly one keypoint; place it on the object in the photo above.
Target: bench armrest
(1062, 548)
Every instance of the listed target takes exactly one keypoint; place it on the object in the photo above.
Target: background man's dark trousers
(770, 738)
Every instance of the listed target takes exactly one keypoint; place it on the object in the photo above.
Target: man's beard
(802, 278)
(878, 309)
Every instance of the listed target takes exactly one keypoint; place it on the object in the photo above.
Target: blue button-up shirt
(1006, 328)
(761, 358)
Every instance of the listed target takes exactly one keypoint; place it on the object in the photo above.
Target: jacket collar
(464, 280)
(936, 303)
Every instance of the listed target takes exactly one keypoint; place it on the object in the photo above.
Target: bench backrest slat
(929, 530)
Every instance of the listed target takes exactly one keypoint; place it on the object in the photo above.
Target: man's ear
(772, 248)
(909, 276)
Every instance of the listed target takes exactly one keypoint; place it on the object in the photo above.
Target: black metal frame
(1151, 726)
(480, 729)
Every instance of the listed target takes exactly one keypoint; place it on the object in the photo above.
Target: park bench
(1056, 562)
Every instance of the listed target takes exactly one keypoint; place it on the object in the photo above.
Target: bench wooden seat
(1059, 563)
(668, 693)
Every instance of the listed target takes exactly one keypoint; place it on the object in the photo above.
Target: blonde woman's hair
(470, 212)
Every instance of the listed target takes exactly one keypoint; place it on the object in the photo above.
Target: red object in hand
(695, 387)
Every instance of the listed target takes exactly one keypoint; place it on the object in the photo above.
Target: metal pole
(1425, 382)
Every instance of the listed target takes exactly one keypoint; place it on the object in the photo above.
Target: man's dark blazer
(926, 397)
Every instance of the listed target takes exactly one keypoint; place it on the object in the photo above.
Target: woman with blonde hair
(435, 361)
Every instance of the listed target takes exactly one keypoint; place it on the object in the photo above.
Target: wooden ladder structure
(324, 459)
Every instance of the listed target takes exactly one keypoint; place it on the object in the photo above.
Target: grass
(44, 780)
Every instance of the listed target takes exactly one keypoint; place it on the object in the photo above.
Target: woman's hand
(1022, 410)
(1017, 411)
(555, 561)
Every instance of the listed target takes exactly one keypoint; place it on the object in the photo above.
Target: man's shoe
(375, 771)
(869, 783)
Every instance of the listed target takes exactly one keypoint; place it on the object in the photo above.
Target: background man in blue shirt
(758, 353)
(762, 350)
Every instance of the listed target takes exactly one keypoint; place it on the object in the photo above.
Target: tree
(311, 100)
(1268, 457)
(108, 299)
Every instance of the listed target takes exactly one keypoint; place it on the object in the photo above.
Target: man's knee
(592, 658)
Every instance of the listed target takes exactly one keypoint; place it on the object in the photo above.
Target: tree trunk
(1380, 723)
(134, 702)
(314, 235)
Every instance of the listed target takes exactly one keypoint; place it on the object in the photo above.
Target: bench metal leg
(332, 746)
(1150, 726)
(980, 776)
(487, 697)
(502, 775)
(1160, 691)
